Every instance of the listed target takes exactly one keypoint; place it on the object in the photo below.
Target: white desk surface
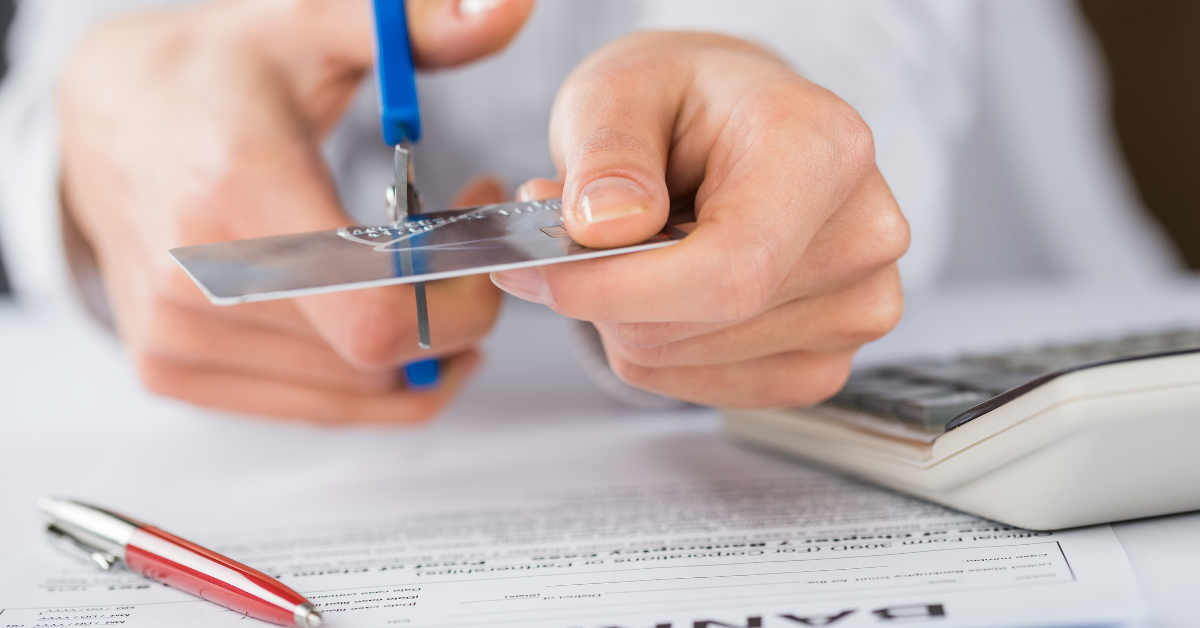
(70, 404)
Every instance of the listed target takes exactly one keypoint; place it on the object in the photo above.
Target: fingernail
(525, 283)
(475, 7)
(611, 198)
(525, 193)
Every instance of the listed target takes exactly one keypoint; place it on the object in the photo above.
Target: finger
(841, 321)
(278, 399)
(442, 33)
(189, 337)
(483, 190)
(281, 316)
(375, 329)
(777, 381)
(370, 329)
(278, 316)
(455, 333)
(775, 155)
(452, 32)
(456, 328)
(538, 190)
(528, 283)
(866, 235)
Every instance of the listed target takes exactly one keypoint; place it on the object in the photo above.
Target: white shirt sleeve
(1048, 119)
(932, 77)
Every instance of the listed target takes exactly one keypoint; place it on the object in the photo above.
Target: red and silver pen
(107, 538)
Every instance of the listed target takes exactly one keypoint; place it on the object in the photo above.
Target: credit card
(423, 247)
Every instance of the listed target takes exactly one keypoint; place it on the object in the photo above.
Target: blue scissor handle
(423, 374)
(395, 74)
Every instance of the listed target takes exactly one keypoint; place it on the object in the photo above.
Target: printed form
(621, 539)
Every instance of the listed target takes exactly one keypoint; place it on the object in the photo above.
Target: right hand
(204, 124)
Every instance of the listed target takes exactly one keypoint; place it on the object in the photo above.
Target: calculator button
(934, 411)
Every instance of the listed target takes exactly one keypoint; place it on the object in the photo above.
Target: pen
(400, 117)
(106, 539)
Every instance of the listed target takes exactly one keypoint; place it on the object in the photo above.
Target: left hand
(791, 265)
(204, 123)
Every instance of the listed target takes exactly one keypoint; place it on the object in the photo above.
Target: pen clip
(78, 547)
(95, 534)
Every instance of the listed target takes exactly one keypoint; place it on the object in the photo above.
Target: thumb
(610, 133)
(446, 33)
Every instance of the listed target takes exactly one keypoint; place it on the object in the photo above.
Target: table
(71, 403)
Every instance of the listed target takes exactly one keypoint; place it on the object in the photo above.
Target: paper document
(756, 543)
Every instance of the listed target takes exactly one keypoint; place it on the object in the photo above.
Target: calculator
(1042, 438)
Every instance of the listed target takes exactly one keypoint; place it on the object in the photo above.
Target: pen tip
(308, 617)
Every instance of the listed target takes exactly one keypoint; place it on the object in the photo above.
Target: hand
(790, 266)
(204, 124)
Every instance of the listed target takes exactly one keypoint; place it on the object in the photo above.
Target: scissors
(400, 117)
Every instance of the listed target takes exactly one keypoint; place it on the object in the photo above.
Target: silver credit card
(441, 245)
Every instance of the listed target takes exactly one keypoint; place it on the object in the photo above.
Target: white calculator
(1051, 437)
